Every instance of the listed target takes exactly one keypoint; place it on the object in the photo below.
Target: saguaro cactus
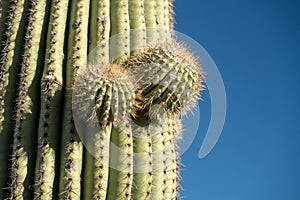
(139, 82)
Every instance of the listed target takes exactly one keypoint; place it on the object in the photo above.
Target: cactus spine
(139, 82)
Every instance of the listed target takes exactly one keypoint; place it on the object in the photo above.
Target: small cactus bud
(169, 75)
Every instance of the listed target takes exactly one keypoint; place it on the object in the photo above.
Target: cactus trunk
(140, 84)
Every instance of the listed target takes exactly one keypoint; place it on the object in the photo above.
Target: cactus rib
(137, 24)
(100, 30)
(151, 21)
(50, 119)
(119, 16)
(9, 69)
(71, 146)
(27, 108)
(142, 177)
(121, 179)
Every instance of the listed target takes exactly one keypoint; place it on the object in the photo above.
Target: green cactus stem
(137, 24)
(127, 96)
(27, 107)
(114, 96)
(170, 160)
(151, 21)
(51, 104)
(160, 145)
(99, 31)
(167, 19)
(160, 13)
(119, 18)
(9, 69)
(142, 177)
(71, 146)
(101, 160)
(120, 180)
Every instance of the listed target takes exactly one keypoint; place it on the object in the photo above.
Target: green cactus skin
(120, 180)
(151, 21)
(137, 23)
(119, 18)
(160, 13)
(9, 69)
(27, 107)
(161, 144)
(142, 177)
(170, 160)
(138, 97)
(51, 104)
(99, 33)
(72, 147)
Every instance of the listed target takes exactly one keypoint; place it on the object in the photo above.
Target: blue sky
(256, 46)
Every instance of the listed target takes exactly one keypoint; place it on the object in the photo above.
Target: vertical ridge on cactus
(99, 32)
(142, 177)
(119, 16)
(120, 179)
(137, 24)
(151, 21)
(170, 160)
(128, 93)
(26, 111)
(51, 104)
(9, 63)
(167, 19)
(161, 19)
(71, 146)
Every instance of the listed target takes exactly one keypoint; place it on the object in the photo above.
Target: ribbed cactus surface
(128, 97)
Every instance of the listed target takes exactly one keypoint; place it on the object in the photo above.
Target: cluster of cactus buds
(90, 101)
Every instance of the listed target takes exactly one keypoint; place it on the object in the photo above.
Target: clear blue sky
(256, 46)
